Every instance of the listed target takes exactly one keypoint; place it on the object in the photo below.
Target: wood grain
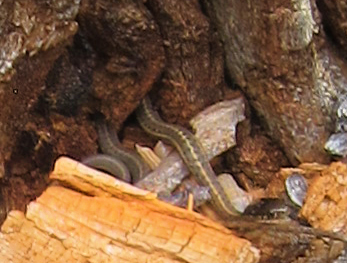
(88, 216)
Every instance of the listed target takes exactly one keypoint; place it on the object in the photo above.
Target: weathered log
(88, 214)
(277, 53)
(106, 220)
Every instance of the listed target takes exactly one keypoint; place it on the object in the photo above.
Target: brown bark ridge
(193, 76)
(256, 157)
(32, 36)
(105, 220)
(334, 17)
(278, 53)
(130, 53)
(60, 62)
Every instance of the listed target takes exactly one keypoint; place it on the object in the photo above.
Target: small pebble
(337, 144)
(296, 187)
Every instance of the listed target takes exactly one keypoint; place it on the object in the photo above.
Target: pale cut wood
(105, 220)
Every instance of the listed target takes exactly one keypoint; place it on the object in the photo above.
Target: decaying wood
(32, 36)
(105, 220)
(324, 209)
(87, 214)
(63, 61)
(72, 58)
(284, 241)
(193, 76)
(128, 51)
(326, 201)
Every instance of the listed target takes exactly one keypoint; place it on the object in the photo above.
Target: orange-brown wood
(89, 216)
(326, 199)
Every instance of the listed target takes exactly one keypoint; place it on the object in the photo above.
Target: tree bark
(61, 62)
(279, 54)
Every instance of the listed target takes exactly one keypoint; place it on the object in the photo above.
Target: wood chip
(326, 199)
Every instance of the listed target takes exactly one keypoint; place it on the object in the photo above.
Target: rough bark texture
(130, 54)
(33, 35)
(277, 52)
(334, 19)
(62, 61)
(104, 220)
(256, 157)
(194, 71)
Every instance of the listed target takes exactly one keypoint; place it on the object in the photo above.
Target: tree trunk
(64, 62)
(279, 54)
